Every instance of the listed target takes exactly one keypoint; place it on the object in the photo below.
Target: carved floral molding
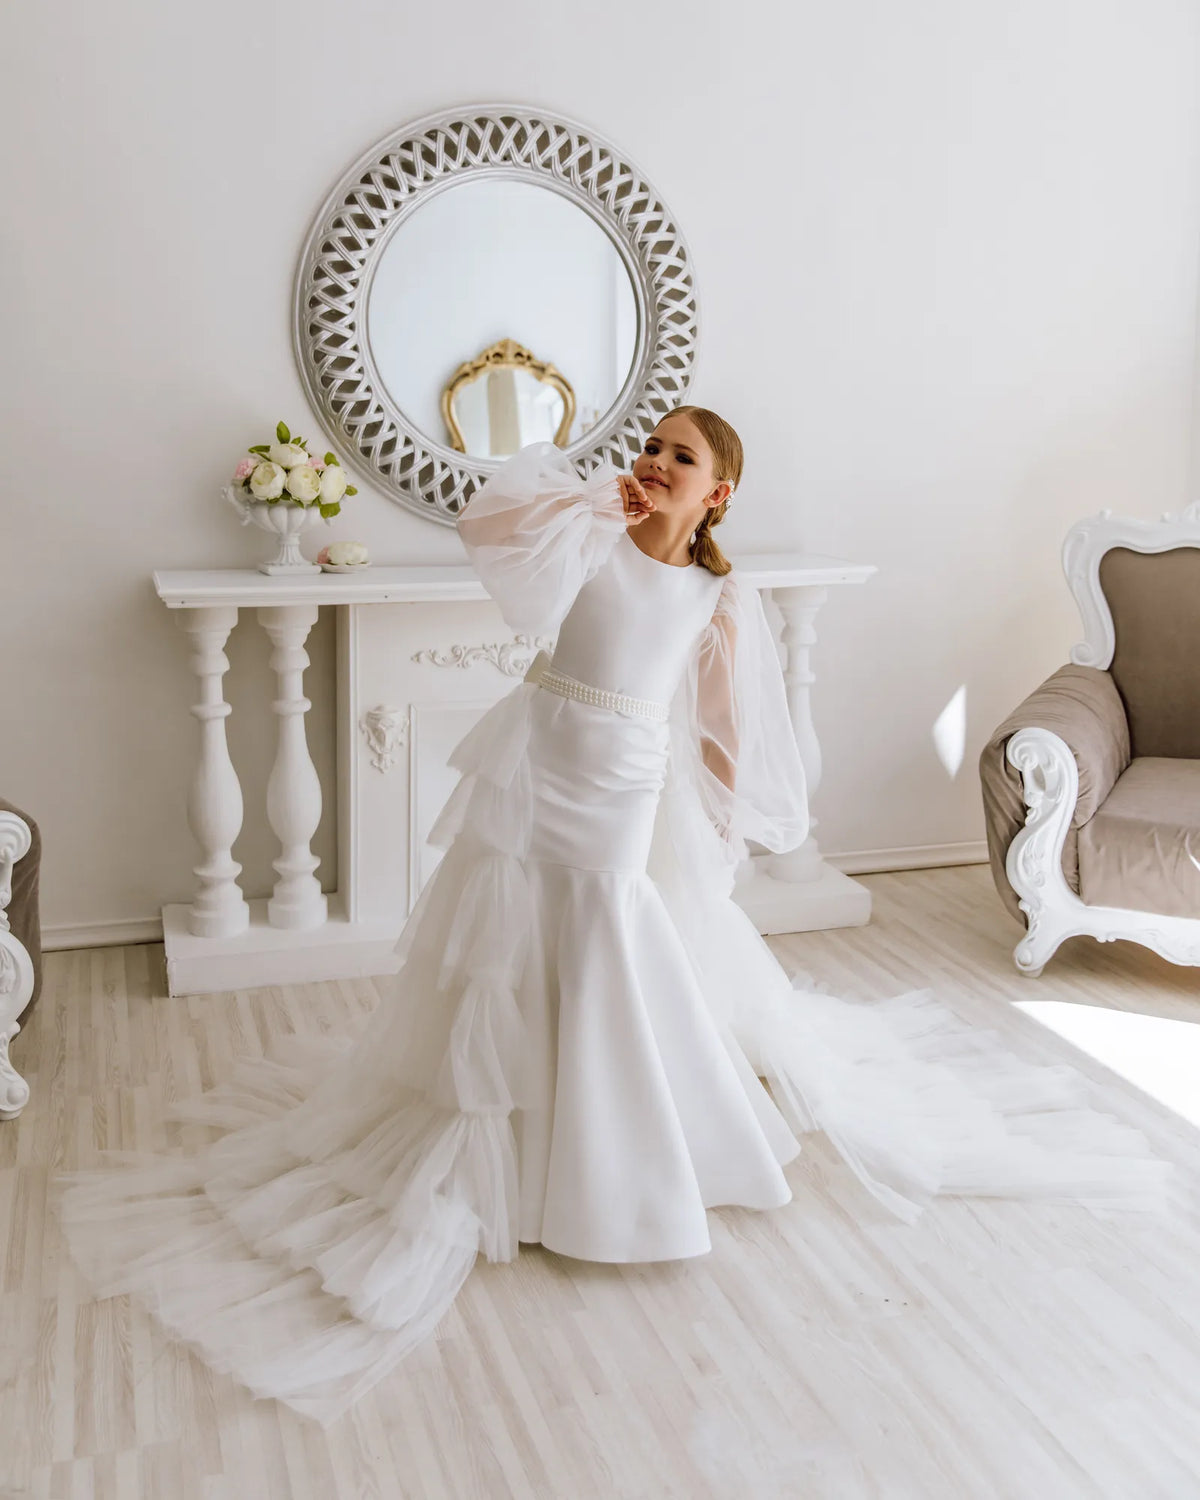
(510, 657)
(386, 733)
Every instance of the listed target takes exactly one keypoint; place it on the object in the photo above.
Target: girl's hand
(638, 504)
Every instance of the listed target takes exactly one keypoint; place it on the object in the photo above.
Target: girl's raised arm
(536, 532)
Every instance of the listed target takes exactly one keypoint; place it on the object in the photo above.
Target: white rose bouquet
(285, 470)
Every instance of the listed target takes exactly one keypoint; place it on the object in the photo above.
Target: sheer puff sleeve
(737, 741)
(535, 532)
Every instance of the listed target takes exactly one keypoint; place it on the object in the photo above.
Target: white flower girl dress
(571, 1051)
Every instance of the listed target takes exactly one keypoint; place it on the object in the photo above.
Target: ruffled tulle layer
(306, 1278)
(329, 1227)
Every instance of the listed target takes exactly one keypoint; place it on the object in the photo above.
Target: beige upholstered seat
(1091, 788)
(1141, 848)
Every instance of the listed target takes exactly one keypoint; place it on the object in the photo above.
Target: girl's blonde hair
(726, 448)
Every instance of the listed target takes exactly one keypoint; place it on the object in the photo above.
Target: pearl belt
(542, 674)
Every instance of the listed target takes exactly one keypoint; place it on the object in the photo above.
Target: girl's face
(675, 468)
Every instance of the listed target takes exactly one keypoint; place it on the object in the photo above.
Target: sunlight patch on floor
(1159, 1056)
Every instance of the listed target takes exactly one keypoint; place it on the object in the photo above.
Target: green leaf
(329, 510)
(329, 459)
(282, 433)
(260, 448)
(350, 490)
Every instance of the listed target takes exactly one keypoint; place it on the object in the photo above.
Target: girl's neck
(665, 543)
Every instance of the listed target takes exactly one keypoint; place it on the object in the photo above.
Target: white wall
(947, 260)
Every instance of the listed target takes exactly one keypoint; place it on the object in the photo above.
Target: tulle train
(329, 1227)
(919, 1102)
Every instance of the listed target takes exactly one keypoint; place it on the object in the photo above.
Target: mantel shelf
(429, 583)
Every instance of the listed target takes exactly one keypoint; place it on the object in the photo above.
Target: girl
(571, 1052)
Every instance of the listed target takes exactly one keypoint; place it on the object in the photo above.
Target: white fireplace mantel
(417, 583)
(399, 712)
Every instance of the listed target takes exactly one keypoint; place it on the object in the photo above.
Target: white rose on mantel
(266, 482)
(287, 455)
(333, 484)
(304, 483)
(345, 554)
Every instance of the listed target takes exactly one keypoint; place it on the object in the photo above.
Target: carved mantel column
(799, 607)
(294, 789)
(214, 807)
(798, 891)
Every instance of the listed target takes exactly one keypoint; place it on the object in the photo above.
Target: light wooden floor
(821, 1352)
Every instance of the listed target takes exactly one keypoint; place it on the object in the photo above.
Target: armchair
(1091, 788)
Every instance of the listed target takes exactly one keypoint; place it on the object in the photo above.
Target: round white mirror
(484, 278)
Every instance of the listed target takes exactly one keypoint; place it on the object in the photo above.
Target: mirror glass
(501, 314)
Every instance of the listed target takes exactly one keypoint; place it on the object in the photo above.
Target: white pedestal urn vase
(283, 487)
(283, 519)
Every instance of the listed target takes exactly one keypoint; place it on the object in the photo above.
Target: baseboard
(860, 862)
(917, 857)
(102, 934)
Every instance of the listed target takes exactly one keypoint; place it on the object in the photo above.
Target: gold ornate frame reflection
(507, 354)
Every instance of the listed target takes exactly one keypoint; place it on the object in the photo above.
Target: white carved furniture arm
(1083, 708)
(16, 966)
(1050, 778)
(1034, 867)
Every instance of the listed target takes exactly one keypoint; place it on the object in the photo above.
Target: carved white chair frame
(16, 966)
(1050, 776)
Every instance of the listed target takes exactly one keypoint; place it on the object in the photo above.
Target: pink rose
(244, 469)
(323, 555)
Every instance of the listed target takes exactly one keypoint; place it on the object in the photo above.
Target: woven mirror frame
(392, 181)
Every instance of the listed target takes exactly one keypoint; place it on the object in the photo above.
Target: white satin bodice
(633, 625)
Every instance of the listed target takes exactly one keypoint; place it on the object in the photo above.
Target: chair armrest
(1082, 706)
(20, 878)
(16, 966)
